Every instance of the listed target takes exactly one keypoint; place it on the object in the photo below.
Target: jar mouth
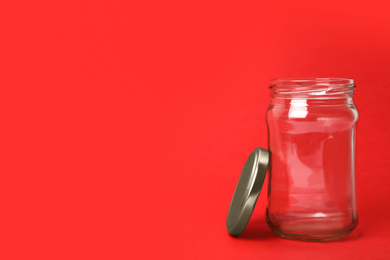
(312, 87)
(307, 81)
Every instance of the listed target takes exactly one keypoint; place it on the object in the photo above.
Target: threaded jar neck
(312, 88)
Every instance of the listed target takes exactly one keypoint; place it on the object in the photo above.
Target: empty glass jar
(311, 140)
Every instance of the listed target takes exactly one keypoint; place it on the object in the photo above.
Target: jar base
(302, 237)
(326, 227)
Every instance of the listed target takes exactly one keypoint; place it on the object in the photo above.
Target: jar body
(311, 140)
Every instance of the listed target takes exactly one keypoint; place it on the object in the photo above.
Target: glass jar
(311, 140)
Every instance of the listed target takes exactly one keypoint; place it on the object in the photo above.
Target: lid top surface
(247, 191)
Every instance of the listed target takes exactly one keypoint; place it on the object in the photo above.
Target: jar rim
(312, 88)
(314, 81)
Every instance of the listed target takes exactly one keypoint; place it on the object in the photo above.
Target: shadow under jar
(311, 140)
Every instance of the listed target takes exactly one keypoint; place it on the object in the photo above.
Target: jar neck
(312, 88)
(312, 102)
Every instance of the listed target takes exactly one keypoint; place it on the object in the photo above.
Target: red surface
(125, 125)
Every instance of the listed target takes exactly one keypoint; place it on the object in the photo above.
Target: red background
(125, 125)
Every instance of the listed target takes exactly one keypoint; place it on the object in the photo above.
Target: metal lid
(247, 191)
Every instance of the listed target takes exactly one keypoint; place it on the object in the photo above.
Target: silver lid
(247, 191)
